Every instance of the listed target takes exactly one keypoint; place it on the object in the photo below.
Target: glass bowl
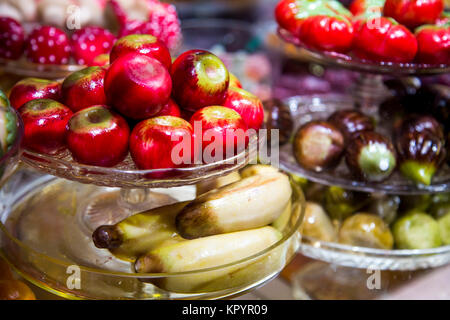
(10, 160)
(375, 259)
(126, 175)
(306, 108)
(41, 236)
(350, 62)
(24, 68)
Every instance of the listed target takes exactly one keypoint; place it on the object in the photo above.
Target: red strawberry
(359, 7)
(285, 14)
(48, 45)
(164, 24)
(90, 42)
(12, 38)
(327, 33)
(116, 13)
(133, 27)
(413, 13)
(388, 41)
(434, 44)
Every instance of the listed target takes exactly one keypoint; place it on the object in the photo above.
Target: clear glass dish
(375, 259)
(10, 160)
(350, 62)
(24, 68)
(307, 108)
(126, 175)
(42, 237)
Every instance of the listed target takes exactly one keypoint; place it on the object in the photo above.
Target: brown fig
(350, 122)
(318, 145)
(370, 156)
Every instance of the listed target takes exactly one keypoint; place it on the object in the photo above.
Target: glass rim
(322, 102)
(298, 205)
(254, 141)
(350, 62)
(391, 253)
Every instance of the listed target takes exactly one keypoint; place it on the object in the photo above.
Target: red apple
(145, 44)
(212, 125)
(152, 142)
(200, 79)
(170, 109)
(137, 86)
(33, 88)
(45, 123)
(186, 114)
(234, 81)
(98, 136)
(101, 60)
(247, 105)
(84, 88)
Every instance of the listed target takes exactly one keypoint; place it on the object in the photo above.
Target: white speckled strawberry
(90, 42)
(162, 23)
(12, 38)
(48, 45)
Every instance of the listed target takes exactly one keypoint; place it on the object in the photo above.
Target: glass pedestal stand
(344, 273)
(46, 230)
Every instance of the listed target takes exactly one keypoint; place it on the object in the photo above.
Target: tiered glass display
(366, 96)
(51, 212)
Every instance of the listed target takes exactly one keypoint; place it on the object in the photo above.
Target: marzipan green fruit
(366, 230)
(416, 230)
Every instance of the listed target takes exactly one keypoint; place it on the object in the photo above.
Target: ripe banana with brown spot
(249, 203)
(140, 232)
(203, 253)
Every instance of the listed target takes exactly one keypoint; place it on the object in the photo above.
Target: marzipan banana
(252, 202)
(140, 232)
(257, 169)
(209, 185)
(207, 252)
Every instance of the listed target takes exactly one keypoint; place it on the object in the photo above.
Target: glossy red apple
(84, 88)
(247, 105)
(45, 123)
(101, 60)
(152, 143)
(234, 81)
(137, 86)
(145, 44)
(219, 129)
(186, 114)
(34, 88)
(200, 79)
(170, 109)
(98, 136)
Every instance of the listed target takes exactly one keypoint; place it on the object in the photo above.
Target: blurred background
(243, 33)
